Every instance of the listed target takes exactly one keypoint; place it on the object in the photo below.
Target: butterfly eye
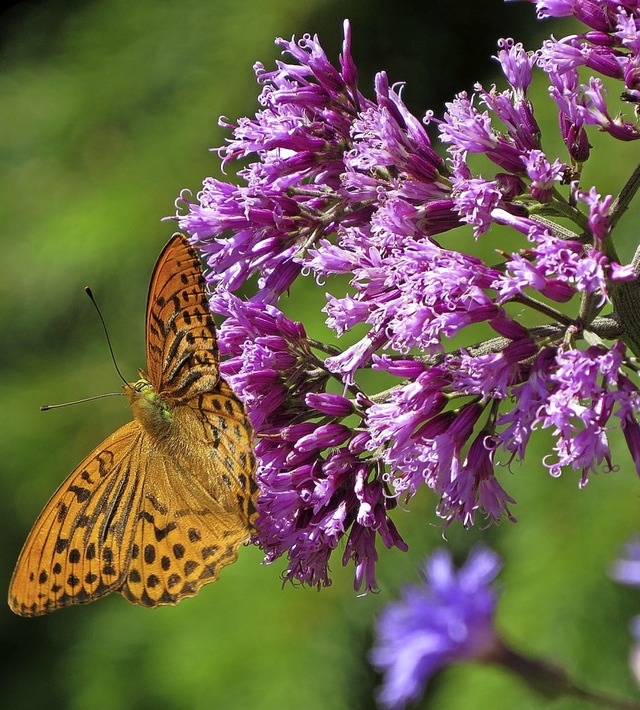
(141, 385)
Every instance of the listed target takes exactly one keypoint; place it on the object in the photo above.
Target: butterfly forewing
(78, 549)
(182, 350)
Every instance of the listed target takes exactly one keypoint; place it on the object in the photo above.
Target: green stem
(626, 296)
(561, 207)
(324, 347)
(557, 229)
(628, 192)
(543, 308)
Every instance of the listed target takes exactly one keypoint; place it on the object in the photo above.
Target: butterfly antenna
(106, 332)
(47, 407)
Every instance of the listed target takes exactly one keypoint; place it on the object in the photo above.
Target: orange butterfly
(163, 503)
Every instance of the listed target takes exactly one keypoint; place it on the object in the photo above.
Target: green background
(108, 110)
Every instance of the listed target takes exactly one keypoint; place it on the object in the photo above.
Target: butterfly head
(149, 407)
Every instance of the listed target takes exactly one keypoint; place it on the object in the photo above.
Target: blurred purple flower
(626, 570)
(446, 619)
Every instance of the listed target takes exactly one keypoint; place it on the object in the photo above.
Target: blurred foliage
(107, 111)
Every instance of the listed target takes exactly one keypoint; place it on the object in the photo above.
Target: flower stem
(543, 308)
(552, 681)
(628, 192)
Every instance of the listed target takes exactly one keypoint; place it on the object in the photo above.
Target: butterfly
(163, 503)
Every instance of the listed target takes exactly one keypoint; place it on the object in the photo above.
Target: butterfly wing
(199, 495)
(182, 349)
(78, 549)
(180, 545)
(221, 423)
(183, 357)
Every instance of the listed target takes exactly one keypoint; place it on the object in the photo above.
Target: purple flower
(466, 129)
(300, 136)
(543, 174)
(561, 268)
(475, 201)
(592, 12)
(317, 484)
(447, 619)
(517, 64)
(410, 296)
(475, 488)
(443, 373)
(557, 394)
(627, 413)
(597, 113)
(626, 569)
(599, 213)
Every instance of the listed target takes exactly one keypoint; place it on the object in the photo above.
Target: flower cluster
(353, 192)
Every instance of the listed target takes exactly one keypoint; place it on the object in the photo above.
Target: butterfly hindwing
(226, 433)
(180, 546)
(77, 551)
(198, 505)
